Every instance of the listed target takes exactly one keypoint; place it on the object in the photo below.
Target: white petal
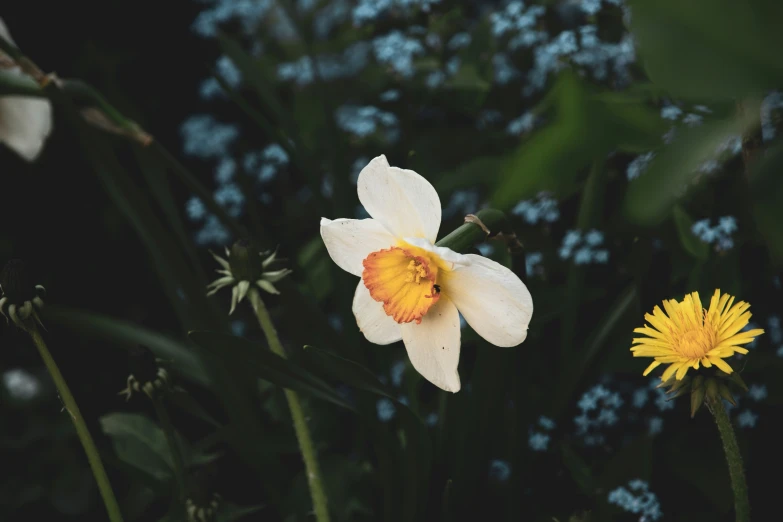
(433, 345)
(25, 123)
(492, 299)
(403, 201)
(444, 253)
(243, 286)
(350, 241)
(5, 33)
(373, 322)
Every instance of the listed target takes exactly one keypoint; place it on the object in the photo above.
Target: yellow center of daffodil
(688, 335)
(405, 279)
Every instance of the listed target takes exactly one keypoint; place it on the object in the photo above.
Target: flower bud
(202, 502)
(20, 298)
(245, 260)
(146, 376)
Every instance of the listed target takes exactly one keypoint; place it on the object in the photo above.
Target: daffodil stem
(734, 460)
(470, 233)
(300, 424)
(174, 447)
(93, 457)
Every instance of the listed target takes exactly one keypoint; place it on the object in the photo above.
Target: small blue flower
(230, 196)
(654, 426)
(774, 330)
(670, 112)
(499, 470)
(538, 441)
(588, 402)
(397, 369)
(504, 71)
(773, 102)
(195, 209)
(757, 392)
(458, 41)
(601, 256)
(583, 256)
(661, 401)
(390, 95)
(747, 419)
(212, 233)
(640, 398)
(432, 419)
(205, 137)
(386, 410)
(238, 328)
(435, 79)
(533, 263)
(546, 423)
(571, 238)
(692, 120)
(638, 165)
(644, 502)
(225, 170)
(524, 123)
(594, 237)
(397, 50)
(543, 208)
(336, 322)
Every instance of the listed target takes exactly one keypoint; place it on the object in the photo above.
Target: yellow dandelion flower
(688, 335)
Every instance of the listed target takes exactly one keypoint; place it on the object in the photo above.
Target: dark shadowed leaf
(139, 443)
(710, 49)
(123, 334)
(676, 168)
(244, 356)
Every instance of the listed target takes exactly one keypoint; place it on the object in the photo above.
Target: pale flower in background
(410, 288)
(25, 122)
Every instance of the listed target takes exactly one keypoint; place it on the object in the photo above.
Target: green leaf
(710, 49)
(243, 356)
(586, 127)
(348, 372)
(692, 244)
(120, 333)
(139, 443)
(671, 173)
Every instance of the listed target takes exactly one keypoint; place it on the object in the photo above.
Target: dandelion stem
(300, 425)
(174, 447)
(734, 460)
(115, 515)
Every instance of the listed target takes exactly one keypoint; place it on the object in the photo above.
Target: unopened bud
(146, 376)
(20, 299)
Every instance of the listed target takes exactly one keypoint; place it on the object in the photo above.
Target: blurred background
(634, 146)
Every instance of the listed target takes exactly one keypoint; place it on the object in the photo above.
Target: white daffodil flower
(413, 290)
(25, 122)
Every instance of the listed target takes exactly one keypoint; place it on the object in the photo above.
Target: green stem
(300, 425)
(174, 447)
(465, 236)
(115, 515)
(734, 460)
